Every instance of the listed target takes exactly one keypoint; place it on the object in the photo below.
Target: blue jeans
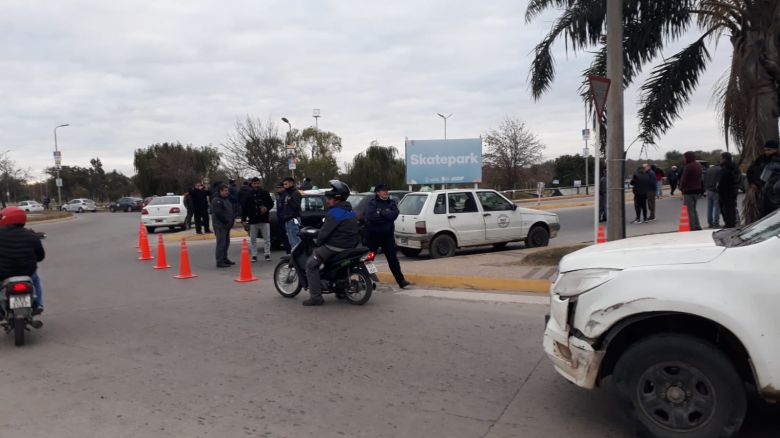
(713, 209)
(38, 289)
(659, 189)
(292, 228)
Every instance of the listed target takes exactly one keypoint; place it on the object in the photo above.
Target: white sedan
(685, 323)
(30, 206)
(80, 205)
(164, 211)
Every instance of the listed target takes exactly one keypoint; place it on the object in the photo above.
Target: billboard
(444, 161)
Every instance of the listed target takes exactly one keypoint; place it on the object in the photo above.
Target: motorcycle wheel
(360, 288)
(19, 332)
(286, 280)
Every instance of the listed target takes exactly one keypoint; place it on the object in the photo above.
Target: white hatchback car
(30, 206)
(445, 220)
(164, 211)
(685, 323)
(80, 205)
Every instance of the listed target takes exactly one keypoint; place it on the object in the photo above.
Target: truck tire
(673, 385)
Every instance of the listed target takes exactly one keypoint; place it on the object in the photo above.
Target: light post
(316, 114)
(289, 139)
(445, 122)
(57, 165)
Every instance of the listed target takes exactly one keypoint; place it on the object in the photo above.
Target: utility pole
(57, 164)
(445, 122)
(615, 134)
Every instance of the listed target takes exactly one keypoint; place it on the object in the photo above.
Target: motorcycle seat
(347, 254)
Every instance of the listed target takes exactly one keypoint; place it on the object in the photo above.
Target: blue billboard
(444, 161)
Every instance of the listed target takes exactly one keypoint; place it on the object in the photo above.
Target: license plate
(158, 220)
(20, 301)
(403, 240)
(371, 268)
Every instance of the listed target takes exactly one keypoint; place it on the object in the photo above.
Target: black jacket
(250, 209)
(200, 200)
(340, 229)
(20, 251)
(380, 215)
(728, 184)
(222, 212)
(289, 206)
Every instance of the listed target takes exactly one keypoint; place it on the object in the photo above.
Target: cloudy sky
(129, 73)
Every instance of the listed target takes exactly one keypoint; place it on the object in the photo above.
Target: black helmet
(339, 190)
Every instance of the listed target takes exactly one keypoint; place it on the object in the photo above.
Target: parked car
(30, 206)
(146, 201)
(164, 211)
(80, 205)
(685, 323)
(313, 208)
(127, 204)
(443, 221)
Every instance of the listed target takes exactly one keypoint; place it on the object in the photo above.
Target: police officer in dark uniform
(380, 214)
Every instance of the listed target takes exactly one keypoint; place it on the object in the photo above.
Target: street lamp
(56, 150)
(316, 115)
(445, 122)
(289, 138)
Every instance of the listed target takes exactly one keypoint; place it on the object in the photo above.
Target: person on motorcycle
(20, 251)
(339, 232)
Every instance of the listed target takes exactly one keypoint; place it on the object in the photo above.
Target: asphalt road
(129, 351)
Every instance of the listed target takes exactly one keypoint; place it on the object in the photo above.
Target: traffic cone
(184, 263)
(146, 253)
(601, 237)
(162, 261)
(685, 221)
(246, 268)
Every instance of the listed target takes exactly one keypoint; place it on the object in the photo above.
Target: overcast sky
(129, 73)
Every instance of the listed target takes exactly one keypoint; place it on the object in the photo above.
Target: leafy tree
(510, 148)
(320, 169)
(97, 184)
(75, 182)
(172, 167)
(570, 168)
(318, 143)
(12, 179)
(377, 164)
(118, 185)
(748, 97)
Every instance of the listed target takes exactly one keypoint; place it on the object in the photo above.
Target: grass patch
(47, 216)
(549, 257)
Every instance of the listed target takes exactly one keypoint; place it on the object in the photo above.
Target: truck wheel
(537, 237)
(410, 252)
(443, 246)
(680, 386)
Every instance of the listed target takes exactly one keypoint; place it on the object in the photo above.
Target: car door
(465, 218)
(502, 220)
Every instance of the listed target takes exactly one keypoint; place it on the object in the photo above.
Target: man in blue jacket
(380, 214)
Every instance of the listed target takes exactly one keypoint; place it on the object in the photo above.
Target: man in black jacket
(339, 232)
(380, 214)
(223, 219)
(288, 209)
(728, 189)
(200, 205)
(254, 212)
(20, 250)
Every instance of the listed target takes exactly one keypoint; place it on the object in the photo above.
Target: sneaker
(223, 265)
(313, 302)
(254, 258)
(652, 219)
(636, 221)
(268, 257)
(230, 262)
(37, 310)
(404, 284)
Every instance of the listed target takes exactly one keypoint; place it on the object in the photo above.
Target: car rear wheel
(129, 209)
(443, 246)
(410, 252)
(80, 210)
(679, 386)
(537, 237)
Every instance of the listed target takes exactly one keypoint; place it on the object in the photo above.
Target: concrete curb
(52, 221)
(202, 237)
(518, 285)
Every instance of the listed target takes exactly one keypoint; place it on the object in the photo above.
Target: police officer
(223, 219)
(380, 214)
(339, 232)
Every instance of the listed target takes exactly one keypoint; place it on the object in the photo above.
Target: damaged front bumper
(574, 358)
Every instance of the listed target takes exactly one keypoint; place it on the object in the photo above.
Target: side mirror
(514, 207)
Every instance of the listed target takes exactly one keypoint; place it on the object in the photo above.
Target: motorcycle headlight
(576, 283)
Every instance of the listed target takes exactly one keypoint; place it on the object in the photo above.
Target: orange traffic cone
(601, 237)
(184, 263)
(146, 253)
(685, 222)
(162, 261)
(246, 268)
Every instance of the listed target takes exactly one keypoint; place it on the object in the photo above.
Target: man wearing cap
(380, 214)
(759, 175)
(20, 251)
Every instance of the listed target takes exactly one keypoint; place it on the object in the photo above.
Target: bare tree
(256, 147)
(511, 148)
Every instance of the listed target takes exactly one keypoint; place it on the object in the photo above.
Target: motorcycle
(16, 300)
(350, 274)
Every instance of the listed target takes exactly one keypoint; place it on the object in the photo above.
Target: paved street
(129, 351)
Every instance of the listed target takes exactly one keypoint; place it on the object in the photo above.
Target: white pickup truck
(687, 324)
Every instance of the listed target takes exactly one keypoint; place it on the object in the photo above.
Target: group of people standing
(647, 185)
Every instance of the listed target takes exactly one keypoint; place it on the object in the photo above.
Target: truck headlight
(575, 283)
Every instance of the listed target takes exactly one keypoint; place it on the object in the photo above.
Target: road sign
(290, 147)
(57, 157)
(577, 183)
(59, 182)
(586, 134)
(291, 164)
(599, 88)
(585, 153)
(556, 182)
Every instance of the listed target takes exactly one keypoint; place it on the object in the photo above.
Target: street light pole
(615, 134)
(316, 115)
(445, 122)
(289, 138)
(56, 149)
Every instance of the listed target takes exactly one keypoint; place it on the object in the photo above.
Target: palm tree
(748, 95)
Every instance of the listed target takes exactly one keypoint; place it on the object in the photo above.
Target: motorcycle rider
(339, 232)
(20, 251)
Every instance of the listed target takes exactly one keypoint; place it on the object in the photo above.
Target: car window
(441, 205)
(165, 200)
(75, 201)
(493, 202)
(462, 203)
(357, 201)
(313, 203)
(412, 204)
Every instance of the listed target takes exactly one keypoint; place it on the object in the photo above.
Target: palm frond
(669, 88)
(536, 7)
